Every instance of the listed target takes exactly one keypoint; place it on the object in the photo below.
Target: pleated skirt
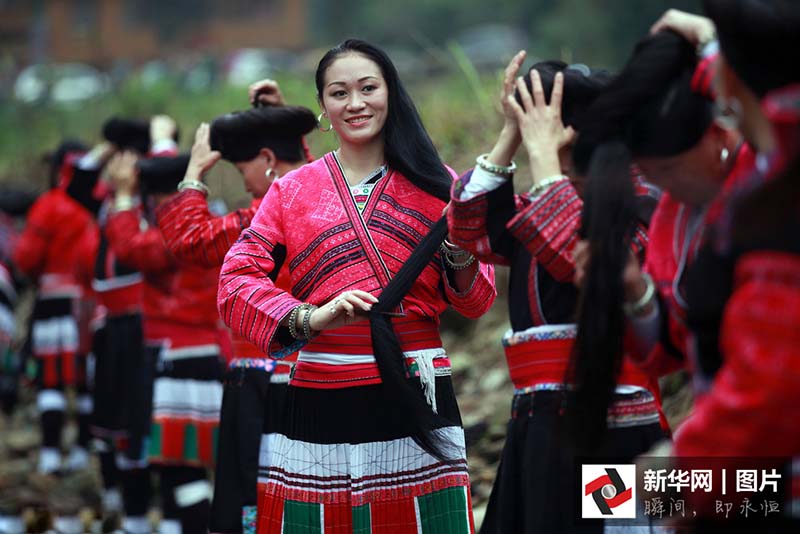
(186, 402)
(537, 488)
(335, 462)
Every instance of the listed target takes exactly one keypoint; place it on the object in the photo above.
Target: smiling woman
(371, 440)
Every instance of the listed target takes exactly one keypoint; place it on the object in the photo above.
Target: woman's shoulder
(310, 171)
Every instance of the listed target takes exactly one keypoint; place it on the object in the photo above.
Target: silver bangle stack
(632, 309)
(455, 257)
(483, 162)
(193, 184)
(542, 186)
(307, 333)
(123, 203)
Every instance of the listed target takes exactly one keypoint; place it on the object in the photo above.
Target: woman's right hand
(694, 28)
(348, 308)
(508, 142)
(202, 158)
(508, 88)
(121, 171)
(267, 92)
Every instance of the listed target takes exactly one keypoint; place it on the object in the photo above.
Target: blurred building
(101, 31)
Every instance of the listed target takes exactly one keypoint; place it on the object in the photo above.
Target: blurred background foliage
(450, 54)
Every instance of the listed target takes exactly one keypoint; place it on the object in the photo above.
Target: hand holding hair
(695, 28)
(202, 158)
(267, 92)
(540, 125)
(509, 140)
(349, 307)
(162, 127)
(508, 87)
(122, 172)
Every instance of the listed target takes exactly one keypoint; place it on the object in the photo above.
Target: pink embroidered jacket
(310, 221)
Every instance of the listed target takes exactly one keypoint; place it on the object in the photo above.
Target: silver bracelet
(123, 203)
(483, 162)
(293, 321)
(193, 184)
(451, 261)
(633, 309)
(307, 334)
(542, 186)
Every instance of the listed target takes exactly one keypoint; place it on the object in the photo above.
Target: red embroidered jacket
(195, 236)
(674, 242)
(310, 218)
(179, 300)
(54, 248)
(748, 349)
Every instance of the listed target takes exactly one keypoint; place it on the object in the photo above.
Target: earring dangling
(319, 123)
(270, 174)
(723, 155)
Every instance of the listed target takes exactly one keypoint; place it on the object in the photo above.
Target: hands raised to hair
(202, 158)
(507, 90)
(267, 92)
(121, 171)
(540, 124)
(695, 28)
(162, 127)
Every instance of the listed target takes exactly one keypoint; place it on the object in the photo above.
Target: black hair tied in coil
(240, 136)
(405, 399)
(128, 134)
(162, 174)
(581, 86)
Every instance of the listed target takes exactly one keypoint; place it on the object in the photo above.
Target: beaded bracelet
(293, 321)
(483, 162)
(632, 309)
(193, 184)
(307, 321)
(542, 186)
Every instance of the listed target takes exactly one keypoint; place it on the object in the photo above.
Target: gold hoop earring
(319, 123)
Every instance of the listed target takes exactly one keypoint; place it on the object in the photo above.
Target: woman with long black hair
(371, 440)
(534, 233)
(263, 143)
(659, 113)
(743, 290)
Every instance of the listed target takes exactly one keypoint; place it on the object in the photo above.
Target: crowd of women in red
(293, 346)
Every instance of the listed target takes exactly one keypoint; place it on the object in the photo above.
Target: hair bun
(239, 136)
(163, 173)
(128, 134)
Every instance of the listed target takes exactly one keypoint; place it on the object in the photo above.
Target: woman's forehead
(351, 68)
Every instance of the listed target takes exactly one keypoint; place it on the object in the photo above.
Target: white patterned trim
(51, 400)
(117, 282)
(331, 358)
(195, 351)
(192, 493)
(198, 399)
(383, 462)
(51, 336)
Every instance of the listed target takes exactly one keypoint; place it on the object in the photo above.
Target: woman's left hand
(540, 124)
(202, 158)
